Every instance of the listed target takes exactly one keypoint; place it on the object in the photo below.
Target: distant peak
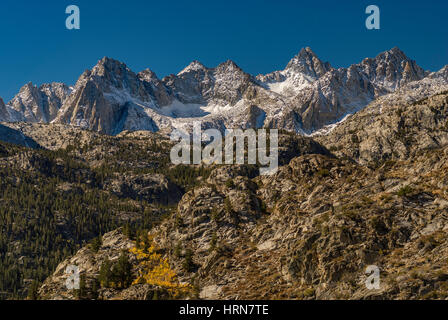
(109, 66)
(195, 65)
(110, 63)
(28, 86)
(396, 50)
(228, 65)
(108, 60)
(306, 52)
(307, 62)
(393, 54)
(441, 73)
(147, 74)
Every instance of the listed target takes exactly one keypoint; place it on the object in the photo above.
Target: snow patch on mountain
(327, 129)
(308, 96)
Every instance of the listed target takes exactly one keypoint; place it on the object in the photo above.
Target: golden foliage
(155, 270)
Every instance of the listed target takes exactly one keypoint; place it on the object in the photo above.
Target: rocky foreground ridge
(373, 191)
(86, 180)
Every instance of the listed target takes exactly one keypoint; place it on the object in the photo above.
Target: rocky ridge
(390, 130)
(310, 230)
(38, 104)
(306, 96)
(369, 190)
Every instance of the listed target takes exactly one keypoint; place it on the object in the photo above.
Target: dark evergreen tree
(122, 271)
(33, 291)
(105, 276)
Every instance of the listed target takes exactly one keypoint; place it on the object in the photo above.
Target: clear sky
(259, 35)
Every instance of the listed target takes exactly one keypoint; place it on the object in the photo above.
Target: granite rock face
(369, 190)
(4, 115)
(305, 97)
(38, 104)
(307, 232)
(89, 263)
(388, 130)
(151, 187)
(107, 99)
(321, 95)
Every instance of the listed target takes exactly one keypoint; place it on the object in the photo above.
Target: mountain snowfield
(309, 96)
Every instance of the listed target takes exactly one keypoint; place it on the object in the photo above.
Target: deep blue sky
(259, 35)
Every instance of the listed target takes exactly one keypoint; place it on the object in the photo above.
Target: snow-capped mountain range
(307, 96)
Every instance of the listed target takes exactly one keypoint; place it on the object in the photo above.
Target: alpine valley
(86, 180)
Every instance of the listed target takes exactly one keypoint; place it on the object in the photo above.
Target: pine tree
(96, 243)
(82, 292)
(33, 291)
(122, 271)
(95, 288)
(188, 264)
(105, 276)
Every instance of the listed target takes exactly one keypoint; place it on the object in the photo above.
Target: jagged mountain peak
(55, 88)
(394, 54)
(396, 51)
(228, 66)
(443, 73)
(306, 52)
(147, 75)
(301, 71)
(110, 75)
(38, 104)
(28, 87)
(31, 88)
(194, 66)
(392, 69)
(197, 84)
(228, 63)
(308, 63)
(110, 97)
(108, 61)
(110, 66)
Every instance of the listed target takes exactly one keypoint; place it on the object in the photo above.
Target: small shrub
(215, 214)
(228, 206)
(178, 250)
(309, 292)
(405, 191)
(96, 244)
(178, 221)
(323, 173)
(230, 184)
(213, 242)
(188, 264)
